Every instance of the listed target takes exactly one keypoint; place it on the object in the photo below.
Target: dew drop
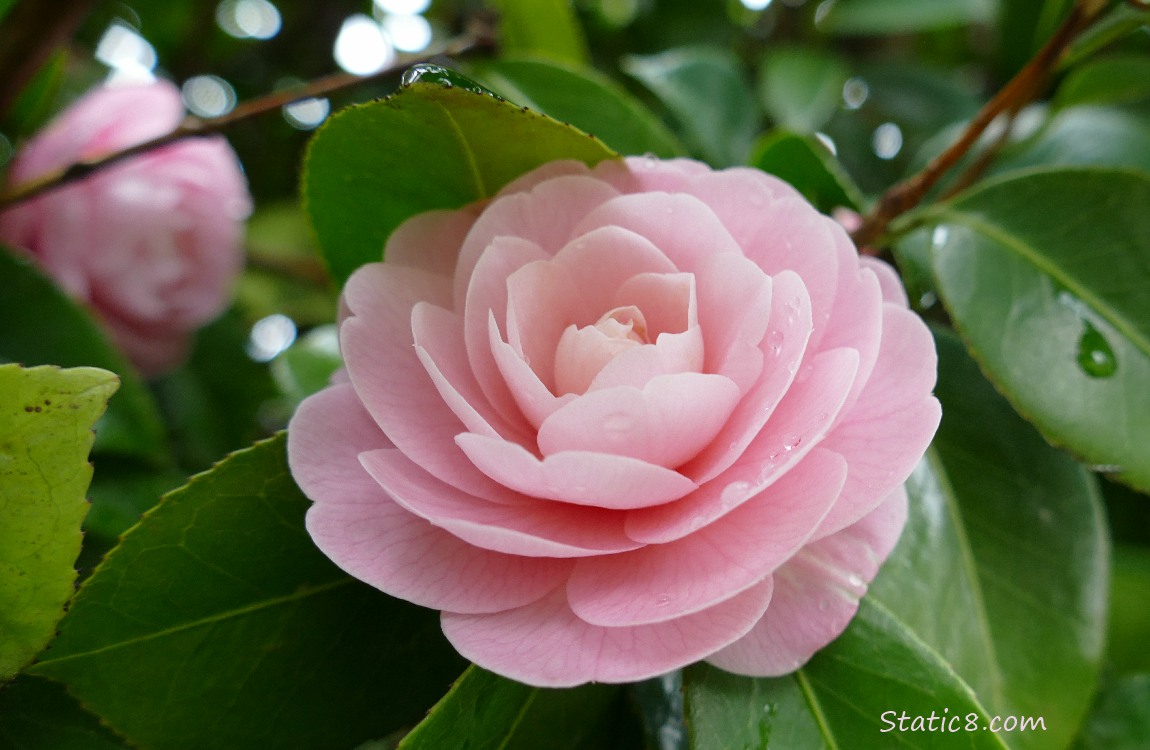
(734, 493)
(855, 582)
(1095, 355)
(927, 300)
(775, 342)
(650, 161)
(791, 442)
(662, 600)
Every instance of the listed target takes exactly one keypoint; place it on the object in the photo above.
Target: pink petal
(734, 312)
(816, 595)
(885, 434)
(535, 399)
(363, 531)
(487, 295)
(789, 325)
(666, 299)
(665, 423)
(600, 260)
(641, 174)
(671, 354)
(545, 215)
(663, 581)
(561, 168)
(431, 240)
(393, 384)
(888, 280)
(579, 477)
(518, 526)
(798, 424)
(542, 301)
(439, 345)
(545, 644)
(684, 228)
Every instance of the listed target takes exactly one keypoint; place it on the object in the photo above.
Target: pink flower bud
(152, 244)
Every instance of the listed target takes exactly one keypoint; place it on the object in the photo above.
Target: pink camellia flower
(617, 420)
(151, 245)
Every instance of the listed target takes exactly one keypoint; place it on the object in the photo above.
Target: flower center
(583, 352)
(624, 323)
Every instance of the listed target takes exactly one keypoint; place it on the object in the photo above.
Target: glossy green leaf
(993, 602)
(46, 419)
(427, 147)
(801, 88)
(1050, 297)
(225, 627)
(804, 162)
(1112, 80)
(37, 714)
(881, 17)
(42, 326)
(588, 100)
(1121, 716)
(708, 95)
(545, 28)
(1129, 626)
(486, 712)
(1122, 20)
(852, 694)
(1082, 135)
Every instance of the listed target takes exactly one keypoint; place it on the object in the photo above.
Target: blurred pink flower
(151, 245)
(614, 421)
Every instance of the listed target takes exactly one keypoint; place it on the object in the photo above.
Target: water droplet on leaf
(1095, 355)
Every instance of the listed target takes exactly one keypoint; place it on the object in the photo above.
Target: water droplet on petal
(791, 442)
(1095, 355)
(775, 342)
(856, 583)
(650, 161)
(662, 600)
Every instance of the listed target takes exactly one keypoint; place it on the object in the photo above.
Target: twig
(470, 41)
(1021, 89)
(32, 31)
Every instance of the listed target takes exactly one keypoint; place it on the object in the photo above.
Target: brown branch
(470, 41)
(1026, 85)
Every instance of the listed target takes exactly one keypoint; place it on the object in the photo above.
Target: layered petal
(363, 531)
(545, 644)
(816, 595)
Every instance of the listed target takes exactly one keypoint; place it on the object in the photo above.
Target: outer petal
(363, 531)
(579, 477)
(888, 280)
(546, 644)
(660, 582)
(431, 241)
(891, 424)
(392, 382)
(816, 595)
(519, 525)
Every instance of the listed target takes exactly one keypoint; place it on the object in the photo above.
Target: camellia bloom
(620, 419)
(151, 245)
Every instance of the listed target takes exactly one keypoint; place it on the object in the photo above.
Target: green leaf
(1113, 80)
(707, 93)
(427, 147)
(46, 418)
(801, 88)
(1129, 609)
(586, 99)
(1121, 716)
(1121, 21)
(225, 627)
(42, 326)
(37, 714)
(857, 687)
(1081, 135)
(1050, 297)
(547, 28)
(993, 602)
(804, 162)
(882, 17)
(484, 711)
